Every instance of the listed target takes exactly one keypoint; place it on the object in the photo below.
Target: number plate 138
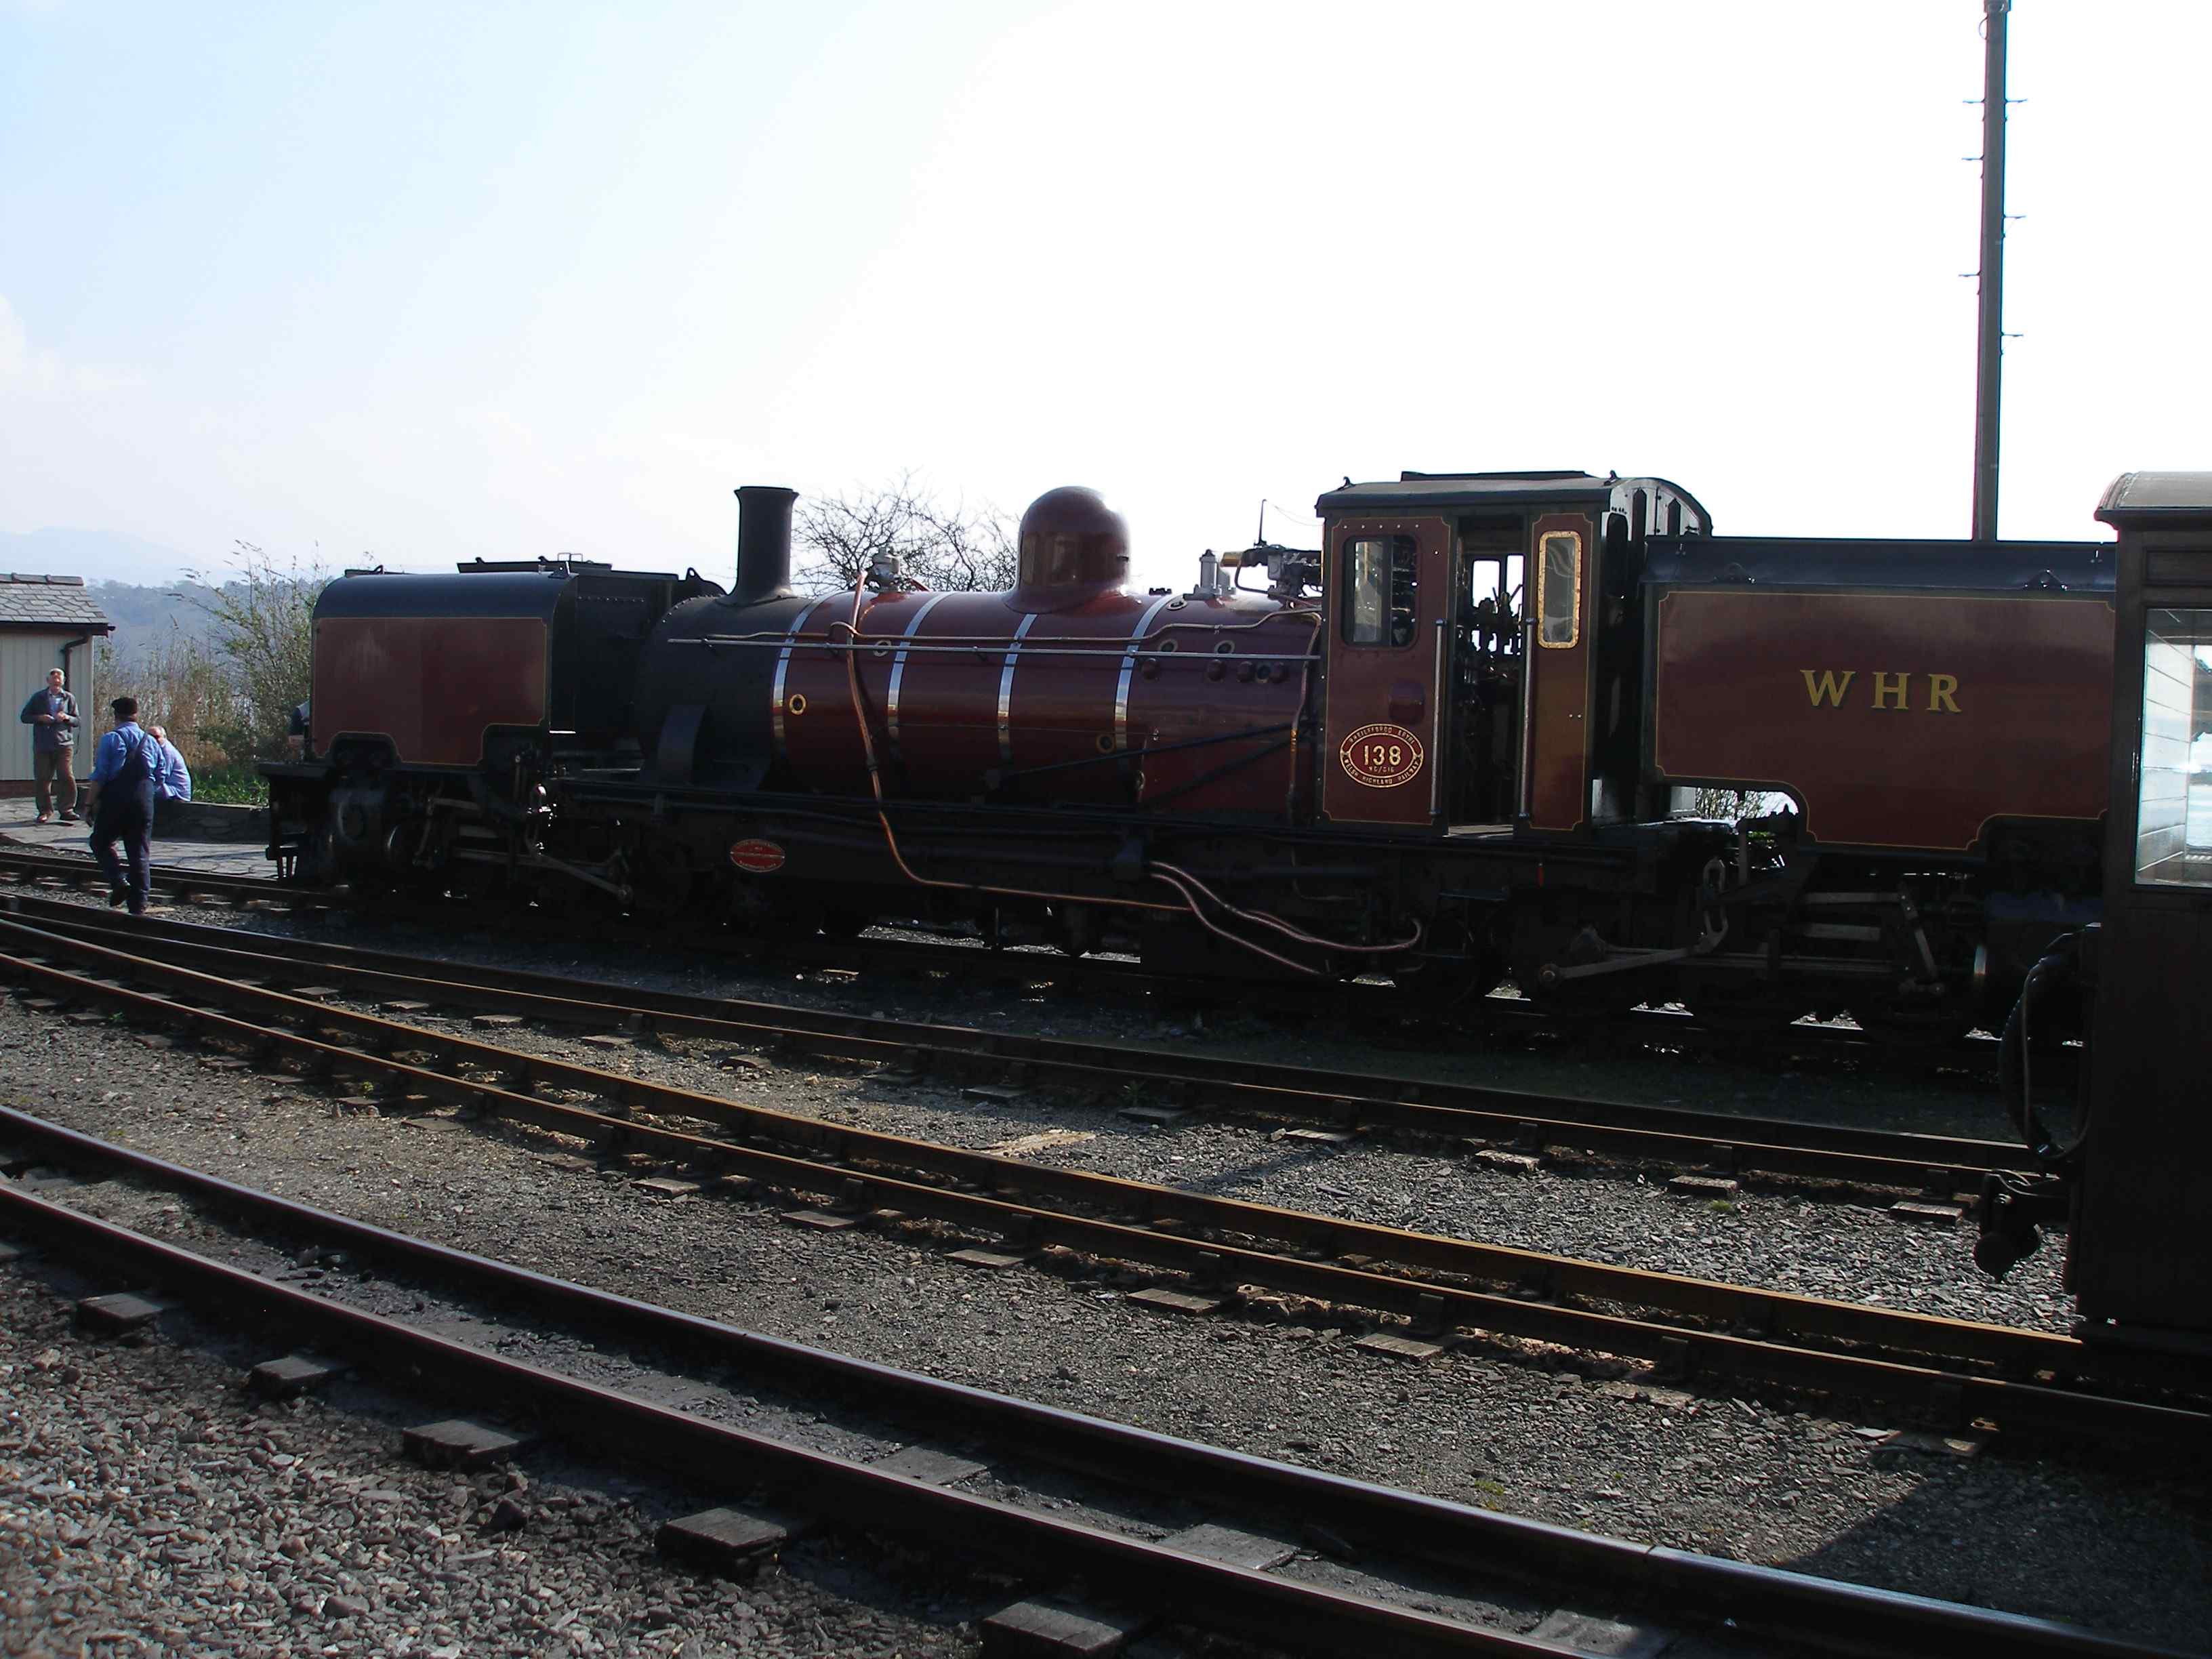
(1381, 757)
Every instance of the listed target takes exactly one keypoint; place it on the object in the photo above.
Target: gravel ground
(1778, 1234)
(2112, 1541)
(148, 1505)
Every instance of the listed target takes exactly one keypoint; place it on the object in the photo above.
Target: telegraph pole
(1988, 368)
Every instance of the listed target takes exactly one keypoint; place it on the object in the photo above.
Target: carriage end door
(1388, 592)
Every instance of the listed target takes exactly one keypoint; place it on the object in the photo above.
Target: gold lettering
(1889, 686)
(1940, 688)
(1829, 688)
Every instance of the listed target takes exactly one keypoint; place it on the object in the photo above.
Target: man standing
(123, 788)
(51, 714)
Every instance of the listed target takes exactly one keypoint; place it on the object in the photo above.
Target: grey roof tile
(48, 601)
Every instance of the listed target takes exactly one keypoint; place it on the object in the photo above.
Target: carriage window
(1559, 589)
(2173, 815)
(1380, 574)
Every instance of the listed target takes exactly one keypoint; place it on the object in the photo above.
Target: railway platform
(19, 827)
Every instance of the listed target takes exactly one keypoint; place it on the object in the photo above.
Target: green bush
(230, 786)
(226, 698)
(262, 619)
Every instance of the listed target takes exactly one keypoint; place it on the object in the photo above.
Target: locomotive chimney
(764, 544)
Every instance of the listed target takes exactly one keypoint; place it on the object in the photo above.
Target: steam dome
(1072, 545)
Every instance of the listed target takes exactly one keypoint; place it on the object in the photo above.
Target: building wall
(26, 654)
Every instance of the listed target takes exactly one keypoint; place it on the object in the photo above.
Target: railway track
(1954, 1372)
(1500, 1016)
(1676, 1137)
(1738, 1607)
(77, 870)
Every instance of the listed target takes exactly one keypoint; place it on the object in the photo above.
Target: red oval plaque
(760, 857)
(1381, 757)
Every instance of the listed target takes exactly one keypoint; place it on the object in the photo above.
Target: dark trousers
(57, 782)
(135, 831)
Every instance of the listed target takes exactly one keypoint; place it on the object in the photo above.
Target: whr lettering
(1889, 690)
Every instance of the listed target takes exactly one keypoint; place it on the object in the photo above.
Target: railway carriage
(1449, 744)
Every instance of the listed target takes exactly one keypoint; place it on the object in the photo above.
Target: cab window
(2174, 816)
(1380, 599)
(1559, 589)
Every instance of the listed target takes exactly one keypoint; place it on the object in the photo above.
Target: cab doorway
(1489, 618)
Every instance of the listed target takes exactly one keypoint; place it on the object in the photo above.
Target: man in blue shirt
(174, 779)
(124, 785)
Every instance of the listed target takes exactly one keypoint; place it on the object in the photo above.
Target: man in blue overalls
(124, 782)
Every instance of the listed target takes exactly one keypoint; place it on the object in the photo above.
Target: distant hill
(140, 583)
(98, 556)
(142, 615)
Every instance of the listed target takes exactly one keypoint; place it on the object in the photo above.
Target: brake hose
(2059, 970)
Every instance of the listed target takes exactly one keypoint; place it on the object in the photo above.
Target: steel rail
(1255, 1604)
(1822, 1612)
(79, 870)
(852, 1163)
(1674, 1136)
(1636, 1027)
(902, 955)
(2023, 1350)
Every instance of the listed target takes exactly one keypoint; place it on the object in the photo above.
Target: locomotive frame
(1446, 745)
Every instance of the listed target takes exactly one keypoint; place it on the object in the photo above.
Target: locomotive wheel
(660, 885)
(513, 898)
(1744, 1012)
(1076, 929)
(1433, 990)
(1919, 1029)
(1587, 1003)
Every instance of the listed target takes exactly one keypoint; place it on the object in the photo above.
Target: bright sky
(433, 281)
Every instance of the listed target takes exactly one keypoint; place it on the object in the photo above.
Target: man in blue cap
(125, 780)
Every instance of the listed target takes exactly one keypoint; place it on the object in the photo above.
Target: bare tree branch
(1734, 805)
(837, 537)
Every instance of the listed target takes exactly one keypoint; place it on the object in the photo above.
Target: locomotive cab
(2128, 1159)
(1483, 657)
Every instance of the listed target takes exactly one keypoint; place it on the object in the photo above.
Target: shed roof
(28, 601)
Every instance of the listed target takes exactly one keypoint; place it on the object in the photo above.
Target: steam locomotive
(1456, 742)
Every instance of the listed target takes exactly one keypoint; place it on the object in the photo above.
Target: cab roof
(1497, 490)
(2138, 497)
